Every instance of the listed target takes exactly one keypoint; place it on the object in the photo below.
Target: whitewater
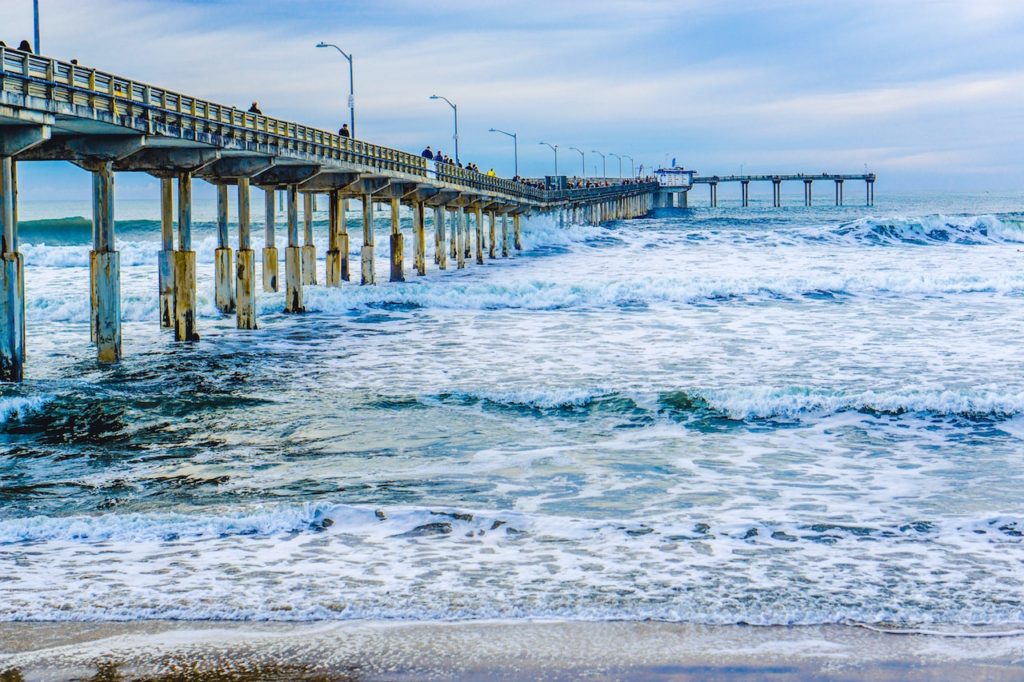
(706, 416)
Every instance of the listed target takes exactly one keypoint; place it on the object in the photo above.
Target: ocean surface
(795, 416)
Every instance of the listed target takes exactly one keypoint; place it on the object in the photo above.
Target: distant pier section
(676, 183)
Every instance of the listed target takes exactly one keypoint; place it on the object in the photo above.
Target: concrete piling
(454, 237)
(467, 245)
(269, 246)
(343, 241)
(245, 275)
(440, 246)
(105, 267)
(165, 259)
(185, 266)
(223, 272)
(332, 274)
(479, 222)
(504, 235)
(459, 234)
(308, 248)
(397, 243)
(518, 238)
(420, 237)
(492, 252)
(12, 279)
(367, 250)
(293, 256)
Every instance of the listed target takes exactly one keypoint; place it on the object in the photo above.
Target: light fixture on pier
(515, 145)
(351, 85)
(455, 108)
(604, 164)
(583, 160)
(554, 148)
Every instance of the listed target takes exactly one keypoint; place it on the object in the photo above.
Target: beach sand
(550, 650)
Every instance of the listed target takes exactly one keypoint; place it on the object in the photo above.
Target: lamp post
(583, 160)
(632, 165)
(554, 148)
(35, 16)
(515, 145)
(604, 164)
(620, 163)
(351, 85)
(455, 108)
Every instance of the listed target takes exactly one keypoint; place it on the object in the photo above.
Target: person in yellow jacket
(491, 173)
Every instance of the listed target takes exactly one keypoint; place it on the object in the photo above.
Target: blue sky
(928, 93)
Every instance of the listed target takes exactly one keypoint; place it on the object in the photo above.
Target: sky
(929, 94)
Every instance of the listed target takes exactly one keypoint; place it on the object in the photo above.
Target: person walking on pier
(254, 108)
(344, 131)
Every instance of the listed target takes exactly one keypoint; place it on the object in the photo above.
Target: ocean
(705, 416)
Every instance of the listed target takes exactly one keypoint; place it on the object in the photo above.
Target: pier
(676, 194)
(51, 110)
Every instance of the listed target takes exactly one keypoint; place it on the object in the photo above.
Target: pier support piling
(807, 192)
(745, 193)
(839, 192)
(332, 268)
(269, 247)
(397, 243)
(308, 248)
(12, 279)
(518, 238)
(293, 256)
(459, 238)
(366, 254)
(224, 275)
(419, 219)
(492, 251)
(245, 274)
(185, 266)
(504, 235)
(478, 219)
(776, 193)
(165, 259)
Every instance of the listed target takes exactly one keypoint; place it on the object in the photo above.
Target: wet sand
(551, 650)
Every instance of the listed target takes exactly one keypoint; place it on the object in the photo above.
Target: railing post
(12, 279)
(245, 277)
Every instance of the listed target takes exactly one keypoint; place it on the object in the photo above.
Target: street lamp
(583, 161)
(620, 163)
(351, 85)
(455, 108)
(554, 148)
(604, 164)
(632, 165)
(515, 145)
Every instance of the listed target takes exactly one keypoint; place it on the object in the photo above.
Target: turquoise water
(707, 415)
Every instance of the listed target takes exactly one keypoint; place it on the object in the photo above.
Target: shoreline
(485, 650)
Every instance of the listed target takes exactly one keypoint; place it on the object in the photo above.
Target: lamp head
(434, 97)
(321, 44)
(491, 130)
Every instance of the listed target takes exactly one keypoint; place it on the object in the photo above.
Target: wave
(18, 407)
(76, 229)
(935, 229)
(753, 404)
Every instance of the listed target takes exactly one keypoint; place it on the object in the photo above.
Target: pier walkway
(55, 110)
(712, 181)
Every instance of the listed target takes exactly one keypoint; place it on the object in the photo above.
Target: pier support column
(839, 192)
(332, 273)
(504, 235)
(419, 221)
(478, 220)
(459, 234)
(807, 192)
(518, 238)
(714, 194)
(493, 250)
(293, 256)
(185, 266)
(366, 254)
(869, 188)
(224, 274)
(269, 247)
(308, 248)
(397, 243)
(745, 192)
(343, 241)
(245, 274)
(467, 245)
(12, 279)
(440, 245)
(165, 259)
(776, 193)
(453, 238)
